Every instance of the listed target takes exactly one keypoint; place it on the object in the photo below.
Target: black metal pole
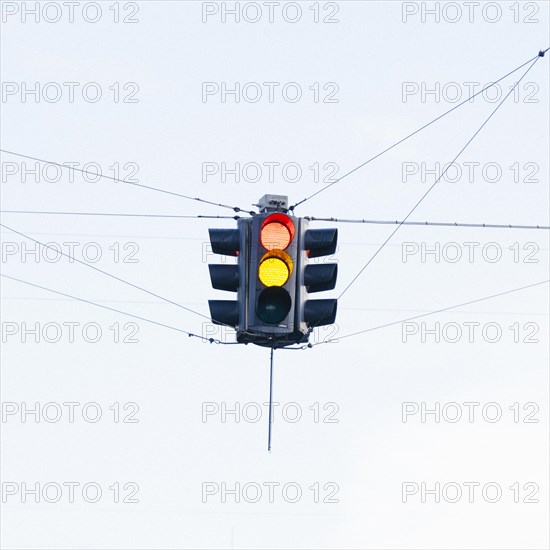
(270, 401)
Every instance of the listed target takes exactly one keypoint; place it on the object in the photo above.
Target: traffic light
(273, 277)
(318, 277)
(274, 267)
(225, 276)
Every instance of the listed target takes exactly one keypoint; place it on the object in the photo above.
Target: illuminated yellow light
(275, 268)
(273, 272)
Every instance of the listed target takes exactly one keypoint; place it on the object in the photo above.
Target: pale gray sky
(153, 118)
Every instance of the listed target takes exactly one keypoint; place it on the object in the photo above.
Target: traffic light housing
(274, 276)
(225, 276)
(318, 277)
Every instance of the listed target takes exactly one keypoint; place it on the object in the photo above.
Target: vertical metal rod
(270, 400)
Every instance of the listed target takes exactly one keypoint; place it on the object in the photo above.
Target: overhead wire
(428, 224)
(190, 334)
(438, 179)
(118, 180)
(535, 58)
(115, 214)
(331, 340)
(95, 268)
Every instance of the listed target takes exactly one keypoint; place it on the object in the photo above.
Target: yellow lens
(275, 268)
(273, 272)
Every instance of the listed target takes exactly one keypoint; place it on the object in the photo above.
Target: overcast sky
(142, 90)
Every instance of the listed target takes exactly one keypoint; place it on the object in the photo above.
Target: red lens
(277, 232)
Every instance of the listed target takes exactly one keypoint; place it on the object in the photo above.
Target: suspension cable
(104, 272)
(430, 313)
(158, 189)
(190, 334)
(428, 224)
(540, 54)
(439, 178)
(117, 214)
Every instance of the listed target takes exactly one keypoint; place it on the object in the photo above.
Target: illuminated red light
(277, 232)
